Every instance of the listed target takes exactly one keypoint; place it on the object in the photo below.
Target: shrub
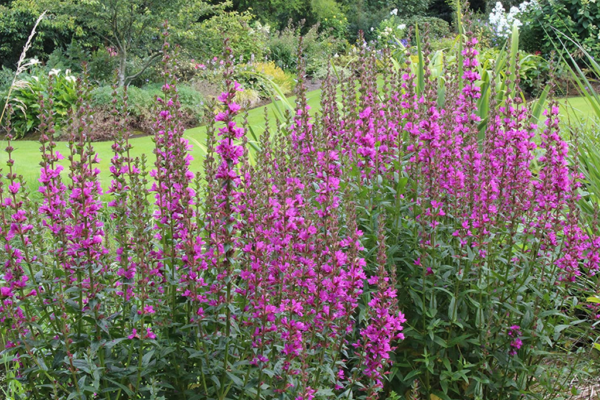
(365, 17)
(285, 81)
(330, 17)
(16, 22)
(410, 8)
(140, 106)
(437, 28)
(208, 81)
(393, 31)
(260, 80)
(247, 43)
(247, 98)
(443, 44)
(340, 66)
(484, 31)
(139, 100)
(577, 19)
(534, 70)
(6, 78)
(318, 48)
(26, 95)
(545, 24)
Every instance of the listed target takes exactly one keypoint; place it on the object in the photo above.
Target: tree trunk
(122, 67)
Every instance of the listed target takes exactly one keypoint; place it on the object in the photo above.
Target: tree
(17, 18)
(366, 14)
(276, 12)
(132, 27)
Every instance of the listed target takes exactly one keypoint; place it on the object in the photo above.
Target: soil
(588, 390)
(569, 88)
(313, 84)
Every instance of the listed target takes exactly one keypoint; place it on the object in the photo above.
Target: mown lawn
(27, 155)
(577, 107)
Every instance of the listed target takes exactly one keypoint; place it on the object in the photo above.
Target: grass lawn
(27, 153)
(577, 107)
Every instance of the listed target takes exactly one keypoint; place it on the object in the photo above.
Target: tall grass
(22, 65)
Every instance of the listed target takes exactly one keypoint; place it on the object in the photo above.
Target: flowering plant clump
(409, 231)
(243, 283)
(491, 256)
(514, 332)
(25, 96)
(392, 32)
(502, 22)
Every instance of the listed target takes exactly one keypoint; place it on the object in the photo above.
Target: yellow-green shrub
(278, 76)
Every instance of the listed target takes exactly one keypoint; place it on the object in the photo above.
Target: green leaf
(235, 379)
(440, 341)
(42, 364)
(113, 343)
(447, 364)
(147, 357)
(409, 377)
(593, 299)
(514, 55)
(452, 309)
(119, 385)
(439, 396)
(540, 103)
(215, 379)
(421, 66)
(82, 365)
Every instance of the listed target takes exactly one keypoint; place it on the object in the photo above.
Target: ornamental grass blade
(421, 67)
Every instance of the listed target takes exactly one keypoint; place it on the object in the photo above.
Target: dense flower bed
(278, 278)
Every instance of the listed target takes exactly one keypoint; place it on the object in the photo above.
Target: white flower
(503, 22)
(402, 27)
(517, 23)
(265, 29)
(372, 29)
(394, 12)
(54, 71)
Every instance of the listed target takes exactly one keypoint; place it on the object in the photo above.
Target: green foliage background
(579, 19)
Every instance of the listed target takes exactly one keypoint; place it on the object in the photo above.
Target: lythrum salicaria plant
(289, 274)
(494, 263)
(245, 282)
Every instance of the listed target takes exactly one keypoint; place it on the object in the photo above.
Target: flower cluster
(254, 273)
(503, 22)
(514, 332)
(385, 321)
